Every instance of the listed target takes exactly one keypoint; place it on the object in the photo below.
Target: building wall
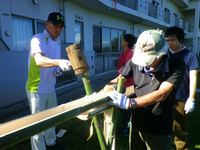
(30, 10)
(13, 64)
(5, 5)
(13, 77)
(139, 28)
(90, 18)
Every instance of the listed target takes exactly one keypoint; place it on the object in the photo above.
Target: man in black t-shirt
(157, 76)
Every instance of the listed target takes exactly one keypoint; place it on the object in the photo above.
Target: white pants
(39, 102)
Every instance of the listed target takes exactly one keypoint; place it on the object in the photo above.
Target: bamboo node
(86, 81)
(97, 126)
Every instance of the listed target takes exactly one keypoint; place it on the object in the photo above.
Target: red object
(116, 6)
(124, 58)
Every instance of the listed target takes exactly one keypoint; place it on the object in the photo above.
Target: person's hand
(189, 105)
(119, 100)
(58, 72)
(65, 65)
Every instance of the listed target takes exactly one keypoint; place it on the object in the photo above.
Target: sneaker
(57, 146)
(124, 130)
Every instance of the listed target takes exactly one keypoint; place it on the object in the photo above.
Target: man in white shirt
(45, 64)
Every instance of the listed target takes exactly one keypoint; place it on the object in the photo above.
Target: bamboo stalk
(115, 116)
(87, 85)
(120, 85)
(98, 111)
(97, 123)
(100, 135)
(18, 130)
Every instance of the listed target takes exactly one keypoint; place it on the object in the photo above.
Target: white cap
(150, 44)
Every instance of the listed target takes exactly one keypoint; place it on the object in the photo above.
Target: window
(106, 40)
(22, 33)
(121, 37)
(114, 40)
(97, 40)
(79, 34)
(40, 27)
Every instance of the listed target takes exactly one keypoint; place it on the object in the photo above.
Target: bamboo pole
(18, 130)
(99, 110)
(111, 138)
(80, 67)
(87, 85)
(97, 123)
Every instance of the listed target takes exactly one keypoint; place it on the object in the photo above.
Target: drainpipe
(62, 12)
(196, 27)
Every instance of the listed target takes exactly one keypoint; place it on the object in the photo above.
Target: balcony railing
(176, 21)
(106, 62)
(103, 62)
(167, 17)
(129, 3)
(152, 11)
(66, 78)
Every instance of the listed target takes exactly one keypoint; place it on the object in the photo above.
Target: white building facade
(98, 25)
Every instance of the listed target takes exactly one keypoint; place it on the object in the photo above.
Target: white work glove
(189, 105)
(119, 100)
(64, 65)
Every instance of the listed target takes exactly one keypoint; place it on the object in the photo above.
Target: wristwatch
(133, 102)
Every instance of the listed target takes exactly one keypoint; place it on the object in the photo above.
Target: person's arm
(123, 102)
(193, 84)
(189, 105)
(42, 61)
(157, 96)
